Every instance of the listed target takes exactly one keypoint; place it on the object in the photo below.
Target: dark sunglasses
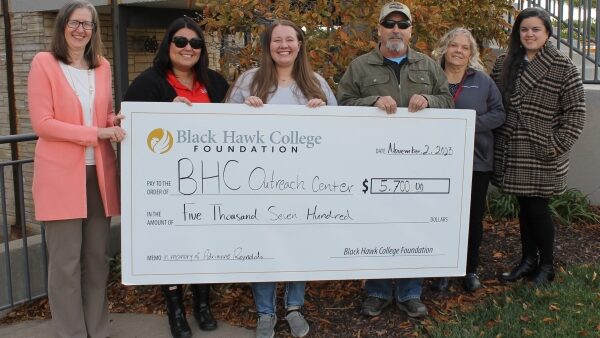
(182, 41)
(389, 24)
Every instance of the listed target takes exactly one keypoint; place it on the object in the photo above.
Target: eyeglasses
(389, 24)
(182, 41)
(87, 25)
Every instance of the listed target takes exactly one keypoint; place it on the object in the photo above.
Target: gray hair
(442, 48)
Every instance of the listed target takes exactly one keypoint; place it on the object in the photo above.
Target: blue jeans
(405, 288)
(265, 293)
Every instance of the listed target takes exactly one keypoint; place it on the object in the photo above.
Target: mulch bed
(332, 307)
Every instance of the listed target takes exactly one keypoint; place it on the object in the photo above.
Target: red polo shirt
(198, 94)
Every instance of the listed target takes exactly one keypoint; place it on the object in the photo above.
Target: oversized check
(231, 193)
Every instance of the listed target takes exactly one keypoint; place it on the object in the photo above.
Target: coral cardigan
(59, 177)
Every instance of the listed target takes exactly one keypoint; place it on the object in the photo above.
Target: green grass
(569, 307)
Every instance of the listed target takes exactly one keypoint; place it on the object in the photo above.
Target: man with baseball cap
(390, 76)
(392, 7)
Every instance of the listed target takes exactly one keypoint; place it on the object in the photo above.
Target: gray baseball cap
(392, 7)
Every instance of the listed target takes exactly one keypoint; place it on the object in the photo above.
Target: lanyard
(460, 88)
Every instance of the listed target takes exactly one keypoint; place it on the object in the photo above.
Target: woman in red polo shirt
(180, 74)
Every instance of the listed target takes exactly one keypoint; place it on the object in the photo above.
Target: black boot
(471, 282)
(440, 284)
(176, 312)
(528, 265)
(202, 312)
(544, 275)
(526, 268)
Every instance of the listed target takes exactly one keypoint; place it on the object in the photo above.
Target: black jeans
(537, 229)
(479, 188)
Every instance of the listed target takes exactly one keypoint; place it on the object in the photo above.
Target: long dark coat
(545, 115)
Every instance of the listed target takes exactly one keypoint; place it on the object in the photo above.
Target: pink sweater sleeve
(55, 115)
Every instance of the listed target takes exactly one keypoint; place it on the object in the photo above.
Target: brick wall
(31, 33)
(4, 127)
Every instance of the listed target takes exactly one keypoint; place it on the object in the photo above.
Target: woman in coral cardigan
(75, 188)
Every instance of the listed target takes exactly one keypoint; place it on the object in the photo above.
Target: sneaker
(298, 324)
(372, 306)
(413, 307)
(265, 327)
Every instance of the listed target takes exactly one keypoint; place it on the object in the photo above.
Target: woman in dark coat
(545, 112)
(181, 74)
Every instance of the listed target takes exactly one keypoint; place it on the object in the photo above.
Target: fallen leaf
(527, 332)
(553, 307)
(498, 254)
(405, 325)
(490, 324)
(547, 320)
(524, 318)
(594, 276)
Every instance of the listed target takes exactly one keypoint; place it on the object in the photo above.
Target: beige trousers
(78, 269)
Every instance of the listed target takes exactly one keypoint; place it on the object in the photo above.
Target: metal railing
(576, 29)
(16, 273)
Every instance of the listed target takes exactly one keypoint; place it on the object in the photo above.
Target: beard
(395, 45)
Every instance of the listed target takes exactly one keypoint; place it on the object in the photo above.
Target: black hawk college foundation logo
(160, 141)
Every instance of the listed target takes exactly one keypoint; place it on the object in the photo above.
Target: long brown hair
(516, 52)
(58, 46)
(265, 80)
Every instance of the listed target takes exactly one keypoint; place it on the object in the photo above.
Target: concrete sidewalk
(126, 325)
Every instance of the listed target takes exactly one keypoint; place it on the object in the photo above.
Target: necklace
(90, 85)
(286, 82)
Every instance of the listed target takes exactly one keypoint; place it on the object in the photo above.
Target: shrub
(573, 207)
(501, 205)
(570, 207)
